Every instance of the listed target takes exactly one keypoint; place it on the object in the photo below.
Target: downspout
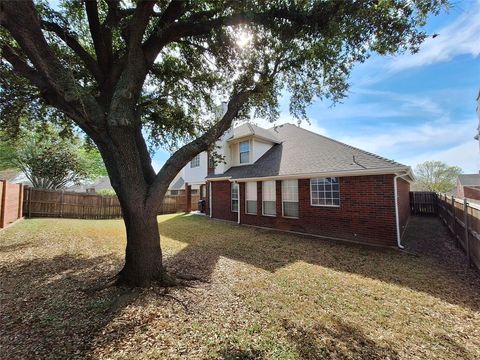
(239, 202)
(397, 217)
(210, 198)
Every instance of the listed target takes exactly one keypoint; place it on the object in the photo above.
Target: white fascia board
(380, 171)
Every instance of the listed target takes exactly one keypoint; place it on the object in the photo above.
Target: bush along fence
(11, 201)
(65, 204)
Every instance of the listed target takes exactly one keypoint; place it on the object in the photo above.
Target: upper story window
(269, 198)
(290, 198)
(325, 192)
(234, 197)
(251, 197)
(195, 162)
(244, 152)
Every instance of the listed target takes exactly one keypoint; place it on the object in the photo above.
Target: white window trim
(246, 199)
(238, 197)
(249, 152)
(298, 202)
(319, 205)
(263, 198)
(191, 162)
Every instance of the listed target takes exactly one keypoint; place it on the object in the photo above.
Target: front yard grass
(261, 295)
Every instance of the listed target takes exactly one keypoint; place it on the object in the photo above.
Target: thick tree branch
(182, 156)
(22, 22)
(102, 49)
(46, 91)
(71, 41)
(131, 80)
(203, 23)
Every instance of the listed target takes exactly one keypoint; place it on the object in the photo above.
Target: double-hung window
(195, 162)
(325, 191)
(251, 197)
(234, 197)
(244, 152)
(290, 198)
(269, 198)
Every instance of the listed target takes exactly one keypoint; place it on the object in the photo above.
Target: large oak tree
(132, 74)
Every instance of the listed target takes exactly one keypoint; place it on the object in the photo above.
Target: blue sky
(411, 108)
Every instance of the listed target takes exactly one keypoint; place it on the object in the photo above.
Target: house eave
(364, 172)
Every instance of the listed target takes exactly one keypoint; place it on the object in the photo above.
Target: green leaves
(306, 49)
(50, 160)
(437, 176)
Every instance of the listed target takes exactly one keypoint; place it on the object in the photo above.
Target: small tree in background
(436, 176)
(49, 159)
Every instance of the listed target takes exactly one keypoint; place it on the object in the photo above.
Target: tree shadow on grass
(46, 313)
(447, 279)
(337, 340)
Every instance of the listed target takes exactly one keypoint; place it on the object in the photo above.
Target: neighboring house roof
(304, 152)
(179, 184)
(469, 179)
(14, 176)
(102, 183)
(248, 129)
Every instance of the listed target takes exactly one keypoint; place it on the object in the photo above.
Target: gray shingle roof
(178, 185)
(304, 152)
(469, 179)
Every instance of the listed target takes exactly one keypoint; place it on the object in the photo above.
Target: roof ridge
(346, 145)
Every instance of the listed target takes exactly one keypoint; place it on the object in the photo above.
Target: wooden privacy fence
(64, 204)
(462, 218)
(11, 200)
(423, 202)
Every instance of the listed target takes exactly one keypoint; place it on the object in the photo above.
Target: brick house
(468, 186)
(288, 178)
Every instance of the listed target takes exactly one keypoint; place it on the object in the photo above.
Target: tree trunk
(143, 259)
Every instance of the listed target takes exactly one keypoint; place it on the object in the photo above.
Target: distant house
(289, 178)
(177, 186)
(468, 186)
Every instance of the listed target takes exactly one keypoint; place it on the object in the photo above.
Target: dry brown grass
(263, 295)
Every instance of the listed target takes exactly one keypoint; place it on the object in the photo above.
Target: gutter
(239, 203)
(210, 198)
(397, 217)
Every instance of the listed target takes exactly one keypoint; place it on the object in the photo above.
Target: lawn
(258, 295)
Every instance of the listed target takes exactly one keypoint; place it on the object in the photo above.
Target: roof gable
(304, 152)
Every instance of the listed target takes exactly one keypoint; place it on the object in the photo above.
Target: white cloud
(465, 155)
(458, 38)
(444, 140)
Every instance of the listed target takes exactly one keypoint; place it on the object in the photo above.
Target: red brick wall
(403, 188)
(366, 212)
(471, 193)
(11, 200)
(221, 206)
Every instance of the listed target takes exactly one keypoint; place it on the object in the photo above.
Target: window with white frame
(244, 152)
(195, 162)
(290, 198)
(269, 198)
(251, 197)
(325, 192)
(234, 197)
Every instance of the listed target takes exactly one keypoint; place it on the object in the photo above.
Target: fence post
(20, 202)
(30, 190)
(61, 204)
(454, 220)
(467, 237)
(3, 204)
